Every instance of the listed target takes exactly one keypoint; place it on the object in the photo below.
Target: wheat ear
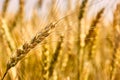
(80, 16)
(116, 43)
(90, 42)
(55, 56)
(22, 52)
(91, 33)
(45, 61)
(90, 37)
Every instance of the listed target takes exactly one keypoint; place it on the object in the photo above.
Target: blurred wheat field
(71, 41)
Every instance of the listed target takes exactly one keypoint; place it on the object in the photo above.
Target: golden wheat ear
(116, 43)
(90, 39)
(91, 33)
(80, 17)
(23, 51)
(55, 56)
(26, 47)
